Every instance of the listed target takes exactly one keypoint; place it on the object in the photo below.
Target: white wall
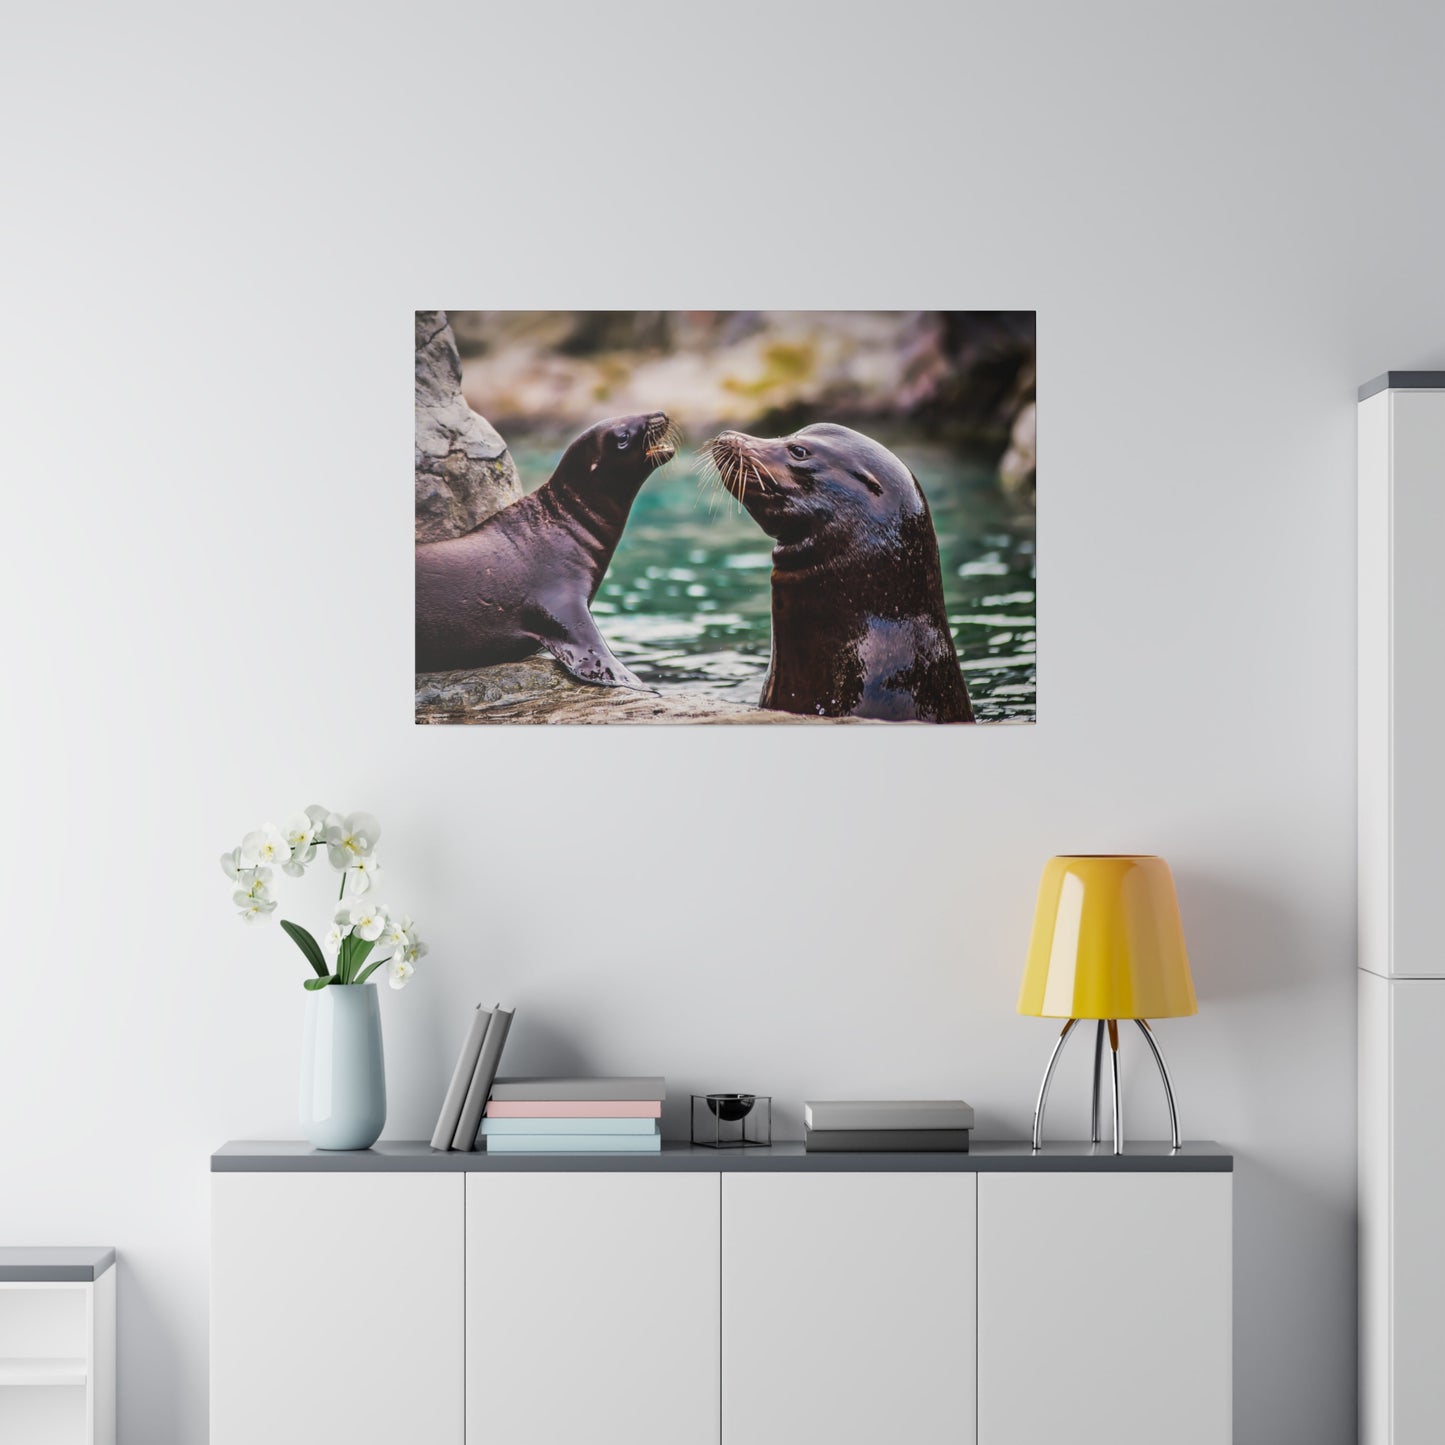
(214, 234)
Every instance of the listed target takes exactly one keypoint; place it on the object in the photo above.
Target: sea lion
(859, 627)
(525, 578)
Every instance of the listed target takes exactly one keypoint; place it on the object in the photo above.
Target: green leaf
(371, 968)
(360, 948)
(308, 946)
(314, 983)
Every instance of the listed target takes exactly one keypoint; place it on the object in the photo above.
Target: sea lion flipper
(584, 652)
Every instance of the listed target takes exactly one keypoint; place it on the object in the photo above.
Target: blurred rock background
(965, 378)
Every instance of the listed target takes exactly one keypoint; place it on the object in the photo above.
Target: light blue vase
(343, 1078)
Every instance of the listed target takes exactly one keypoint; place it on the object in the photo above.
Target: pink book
(575, 1109)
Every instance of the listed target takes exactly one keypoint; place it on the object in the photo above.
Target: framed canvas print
(798, 517)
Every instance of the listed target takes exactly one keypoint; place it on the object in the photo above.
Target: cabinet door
(848, 1308)
(336, 1309)
(1104, 1307)
(1416, 1182)
(592, 1309)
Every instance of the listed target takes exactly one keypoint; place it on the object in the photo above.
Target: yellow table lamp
(1107, 945)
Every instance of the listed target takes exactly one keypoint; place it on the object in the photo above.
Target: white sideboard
(57, 1346)
(700, 1297)
(1401, 860)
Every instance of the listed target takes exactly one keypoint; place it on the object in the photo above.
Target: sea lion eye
(622, 442)
(797, 452)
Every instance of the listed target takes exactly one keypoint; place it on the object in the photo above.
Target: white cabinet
(1402, 680)
(1402, 1190)
(697, 1298)
(848, 1308)
(336, 1308)
(1401, 867)
(57, 1360)
(1104, 1308)
(592, 1309)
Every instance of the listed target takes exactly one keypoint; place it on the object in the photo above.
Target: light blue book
(494, 1127)
(574, 1144)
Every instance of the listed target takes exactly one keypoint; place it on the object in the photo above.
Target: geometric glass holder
(732, 1121)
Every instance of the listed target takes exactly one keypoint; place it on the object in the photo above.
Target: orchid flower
(266, 845)
(350, 838)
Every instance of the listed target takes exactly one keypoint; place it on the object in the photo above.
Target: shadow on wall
(149, 1378)
(1242, 943)
(1284, 1225)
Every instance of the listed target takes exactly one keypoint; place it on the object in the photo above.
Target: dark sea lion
(859, 627)
(525, 578)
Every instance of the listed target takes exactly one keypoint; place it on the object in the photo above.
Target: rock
(1018, 468)
(539, 690)
(464, 471)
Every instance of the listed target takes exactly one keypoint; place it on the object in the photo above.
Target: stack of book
(575, 1116)
(913, 1126)
(461, 1114)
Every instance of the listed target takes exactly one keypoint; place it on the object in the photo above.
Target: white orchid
(232, 866)
(255, 907)
(359, 924)
(254, 883)
(350, 838)
(368, 920)
(362, 876)
(267, 845)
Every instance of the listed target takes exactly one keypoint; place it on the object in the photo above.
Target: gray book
(516, 1091)
(889, 1114)
(886, 1141)
(482, 1077)
(451, 1113)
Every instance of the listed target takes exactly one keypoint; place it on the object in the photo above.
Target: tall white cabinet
(1401, 896)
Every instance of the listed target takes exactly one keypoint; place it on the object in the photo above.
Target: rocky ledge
(539, 690)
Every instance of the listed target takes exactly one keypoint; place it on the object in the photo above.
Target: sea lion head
(823, 481)
(621, 453)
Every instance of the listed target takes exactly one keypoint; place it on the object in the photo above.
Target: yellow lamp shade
(1107, 942)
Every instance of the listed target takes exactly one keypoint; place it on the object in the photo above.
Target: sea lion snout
(741, 464)
(661, 437)
(649, 435)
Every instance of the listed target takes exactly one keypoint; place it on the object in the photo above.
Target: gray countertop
(281, 1156)
(48, 1264)
(1404, 381)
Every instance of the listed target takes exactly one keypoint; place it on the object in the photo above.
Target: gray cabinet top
(1404, 381)
(49, 1264)
(417, 1157)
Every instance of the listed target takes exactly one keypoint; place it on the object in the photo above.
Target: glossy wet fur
(859, 624)
(525, 577)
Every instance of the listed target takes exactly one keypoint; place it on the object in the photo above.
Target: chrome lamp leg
(1094, 1134)
(1164, 1075)
(1044, 1087)
(1118, 1097)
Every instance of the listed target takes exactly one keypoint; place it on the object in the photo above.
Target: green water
(686, 601)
